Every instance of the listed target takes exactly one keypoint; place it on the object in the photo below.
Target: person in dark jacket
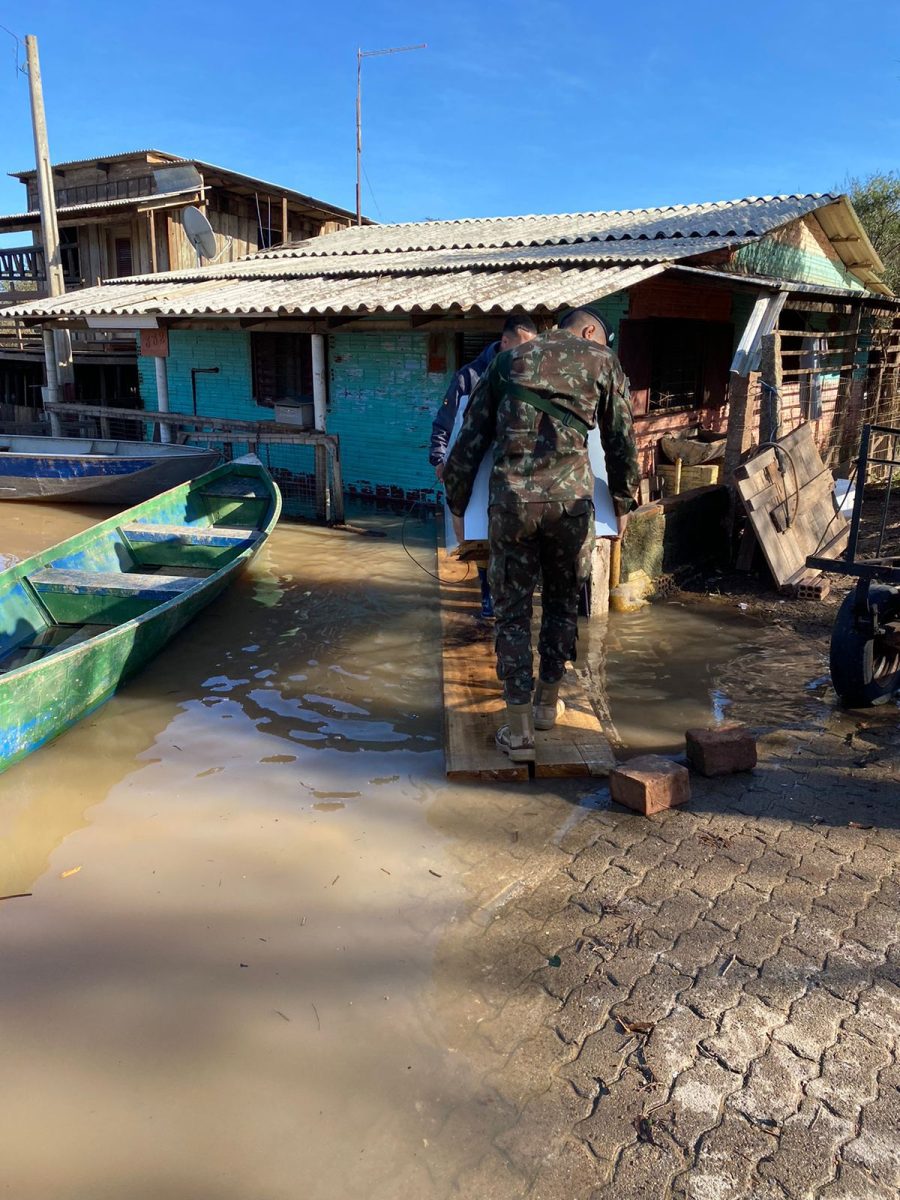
(516, 330)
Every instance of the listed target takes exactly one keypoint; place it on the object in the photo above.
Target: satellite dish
(199, 232)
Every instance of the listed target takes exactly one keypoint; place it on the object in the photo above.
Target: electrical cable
(412, 557)
(372, 192)
(20, 68)
(225, 248)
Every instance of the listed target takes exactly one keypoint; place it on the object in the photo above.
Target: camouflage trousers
(537, 543)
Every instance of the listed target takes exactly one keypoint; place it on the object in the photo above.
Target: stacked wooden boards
(788, 493)
(473, 705)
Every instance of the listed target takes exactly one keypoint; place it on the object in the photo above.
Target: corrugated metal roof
(593, 254)
(95, 158)
(750, 217)
(174, 159)
(537, 289)
(766, 283)
(70, 210)
(538, 263)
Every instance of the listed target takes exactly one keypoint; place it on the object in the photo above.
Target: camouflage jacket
(537, 457)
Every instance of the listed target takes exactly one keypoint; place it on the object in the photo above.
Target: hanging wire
(20, 67)
(372, 192)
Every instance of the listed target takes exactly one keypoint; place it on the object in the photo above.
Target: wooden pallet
(789, 498)
(473, 705)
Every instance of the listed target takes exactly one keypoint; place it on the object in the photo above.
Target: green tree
(877, 203)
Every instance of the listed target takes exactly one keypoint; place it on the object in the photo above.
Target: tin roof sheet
(547, 288)
(750, 217)
(300, 198)
(536, 263)
(99, 158)
(596, 254)
(70, 210)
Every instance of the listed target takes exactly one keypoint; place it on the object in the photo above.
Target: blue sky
(533, 106)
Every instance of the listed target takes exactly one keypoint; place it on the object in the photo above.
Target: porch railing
(91, 193)
(22, 264)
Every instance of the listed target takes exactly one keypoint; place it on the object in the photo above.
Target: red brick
(721, 751)
(650, 784)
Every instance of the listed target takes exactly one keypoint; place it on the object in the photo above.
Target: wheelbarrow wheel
(864, 670)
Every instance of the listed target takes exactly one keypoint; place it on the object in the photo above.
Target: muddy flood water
(230, 977)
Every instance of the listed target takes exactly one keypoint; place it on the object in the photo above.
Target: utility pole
(57, 343)
(360, 55)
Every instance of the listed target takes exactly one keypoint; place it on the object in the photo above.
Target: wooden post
(284, 219)
(615, 564)
(151, 221)
(770, 406)
(739, 434)
(337, 486)
(52, 395)
(738, 440)
(320, 397)
(59, 344)
(600, 576)
(46, 198)
(679, 464)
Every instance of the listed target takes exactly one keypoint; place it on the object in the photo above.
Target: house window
(68, 252)
(676, 372)
(282, 367)
(123, 258)
(675, 364)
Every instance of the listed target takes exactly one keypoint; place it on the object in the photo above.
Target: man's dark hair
(518, 322)
(585, 316)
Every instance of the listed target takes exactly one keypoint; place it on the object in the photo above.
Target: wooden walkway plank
(473, 704)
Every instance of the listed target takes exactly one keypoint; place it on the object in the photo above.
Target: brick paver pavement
(703, 1005)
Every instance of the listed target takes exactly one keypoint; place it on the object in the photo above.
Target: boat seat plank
(196, 535)
(111, 583)
(54, 639)
(237, 489)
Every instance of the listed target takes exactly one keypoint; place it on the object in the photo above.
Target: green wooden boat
(81, 617)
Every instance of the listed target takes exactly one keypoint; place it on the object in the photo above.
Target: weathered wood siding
(799, 251)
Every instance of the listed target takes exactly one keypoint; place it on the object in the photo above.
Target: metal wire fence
(304, 463)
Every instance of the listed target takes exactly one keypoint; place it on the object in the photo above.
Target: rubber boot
(548, 707)
(516, 738)
(487, 603)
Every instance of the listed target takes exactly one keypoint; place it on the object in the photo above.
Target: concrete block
(650, 784)
(721, 751)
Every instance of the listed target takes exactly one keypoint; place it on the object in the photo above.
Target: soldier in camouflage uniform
(536, 404)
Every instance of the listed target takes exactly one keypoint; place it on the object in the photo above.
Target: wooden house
(120, 216)
(394, 309)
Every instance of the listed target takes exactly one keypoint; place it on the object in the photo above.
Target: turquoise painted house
(391, 311)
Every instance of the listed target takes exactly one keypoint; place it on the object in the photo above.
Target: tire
(864, 670)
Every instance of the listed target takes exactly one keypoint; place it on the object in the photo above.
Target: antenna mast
(360, 55)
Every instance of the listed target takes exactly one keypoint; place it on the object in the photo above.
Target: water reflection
(236, 970)
(670, 667)
(239, 971)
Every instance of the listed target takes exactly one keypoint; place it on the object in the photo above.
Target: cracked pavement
(702, 1005)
